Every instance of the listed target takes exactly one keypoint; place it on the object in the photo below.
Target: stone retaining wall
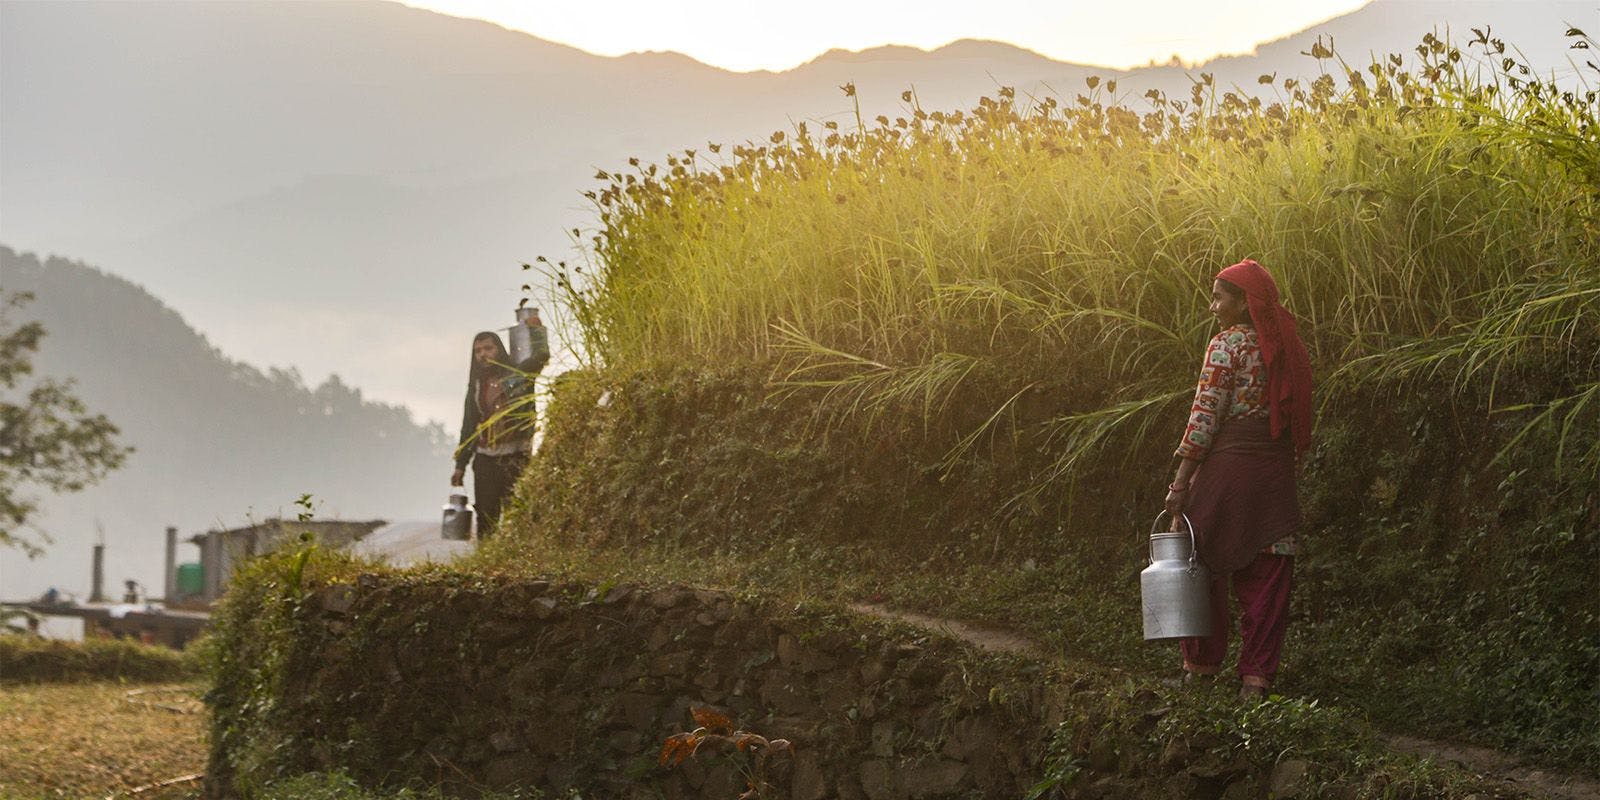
(495, 685)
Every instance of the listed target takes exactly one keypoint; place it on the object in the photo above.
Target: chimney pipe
(169, 585)
(97, 591)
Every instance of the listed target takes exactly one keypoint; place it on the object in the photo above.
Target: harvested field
(97, 740)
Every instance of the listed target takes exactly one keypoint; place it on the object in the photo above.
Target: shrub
(27, 659)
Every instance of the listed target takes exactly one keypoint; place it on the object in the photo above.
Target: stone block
(1103, 755)
(779, 693)
(883, 738)
(543, 608)
(667, 598)
(676, 787)
(1212, 778)
(732, 634)
(512, 771)
(499, 631)
(1175, 755)
(929, 723)
(722, 780)
(672, 663)
(338, 598)
(876, 670)
(619, 673)
(848, 788)
(881, 781)
(921, 672)
(1289, 779)
(932, 778)
(1181, 787)
(635, 711)
(971, 740)
(1345, 789)
(661, 636)
(838, 691)
(808, 781)
(868, 709)
(506, 741)
(1249, 788)
(629, 742)
(800, 730)
(1114, 786)
(789, 651)
(694, 771)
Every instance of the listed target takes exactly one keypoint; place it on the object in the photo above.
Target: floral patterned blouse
(1233, 385)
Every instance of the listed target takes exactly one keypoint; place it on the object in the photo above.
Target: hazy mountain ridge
(217, 441)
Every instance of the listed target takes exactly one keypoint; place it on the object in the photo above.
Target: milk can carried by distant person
(521, 344)
(457, 522)
(1174, 588)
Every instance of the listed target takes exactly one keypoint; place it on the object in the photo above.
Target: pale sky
(746, 35)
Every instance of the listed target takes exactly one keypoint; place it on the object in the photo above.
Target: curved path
(1514, 773)
(402, 544)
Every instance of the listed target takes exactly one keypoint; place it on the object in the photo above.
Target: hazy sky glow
(745, 35)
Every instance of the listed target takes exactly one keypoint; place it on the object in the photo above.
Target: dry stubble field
(100, 740)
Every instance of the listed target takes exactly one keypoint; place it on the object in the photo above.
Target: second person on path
(499, 451)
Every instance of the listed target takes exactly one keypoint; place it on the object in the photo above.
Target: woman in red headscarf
(1250, 423)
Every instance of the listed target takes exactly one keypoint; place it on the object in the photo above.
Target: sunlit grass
(1425, 216)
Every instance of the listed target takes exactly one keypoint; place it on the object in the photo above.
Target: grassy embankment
(26, 659)
(944, 359)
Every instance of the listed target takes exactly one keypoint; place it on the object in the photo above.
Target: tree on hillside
(48, 438)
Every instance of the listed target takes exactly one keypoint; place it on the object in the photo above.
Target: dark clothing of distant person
(499, 451)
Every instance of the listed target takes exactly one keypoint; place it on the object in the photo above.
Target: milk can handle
(1194, 549)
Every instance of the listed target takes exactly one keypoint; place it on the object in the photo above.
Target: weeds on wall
(716, 734)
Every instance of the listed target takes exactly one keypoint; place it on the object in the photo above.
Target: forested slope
(216, 440)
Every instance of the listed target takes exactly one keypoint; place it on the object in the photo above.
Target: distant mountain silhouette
(370, 165)
(217, 441)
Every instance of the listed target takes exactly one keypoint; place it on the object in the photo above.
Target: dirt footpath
(1518, 776)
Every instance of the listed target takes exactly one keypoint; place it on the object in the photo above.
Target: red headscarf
(1288, 363)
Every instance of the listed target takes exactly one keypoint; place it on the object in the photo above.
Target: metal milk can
(457, 521)
(521, 339)
(1175, 588)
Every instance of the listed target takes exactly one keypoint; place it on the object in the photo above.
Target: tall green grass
(1427, 216)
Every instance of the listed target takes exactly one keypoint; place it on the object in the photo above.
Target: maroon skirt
(1243, 496)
